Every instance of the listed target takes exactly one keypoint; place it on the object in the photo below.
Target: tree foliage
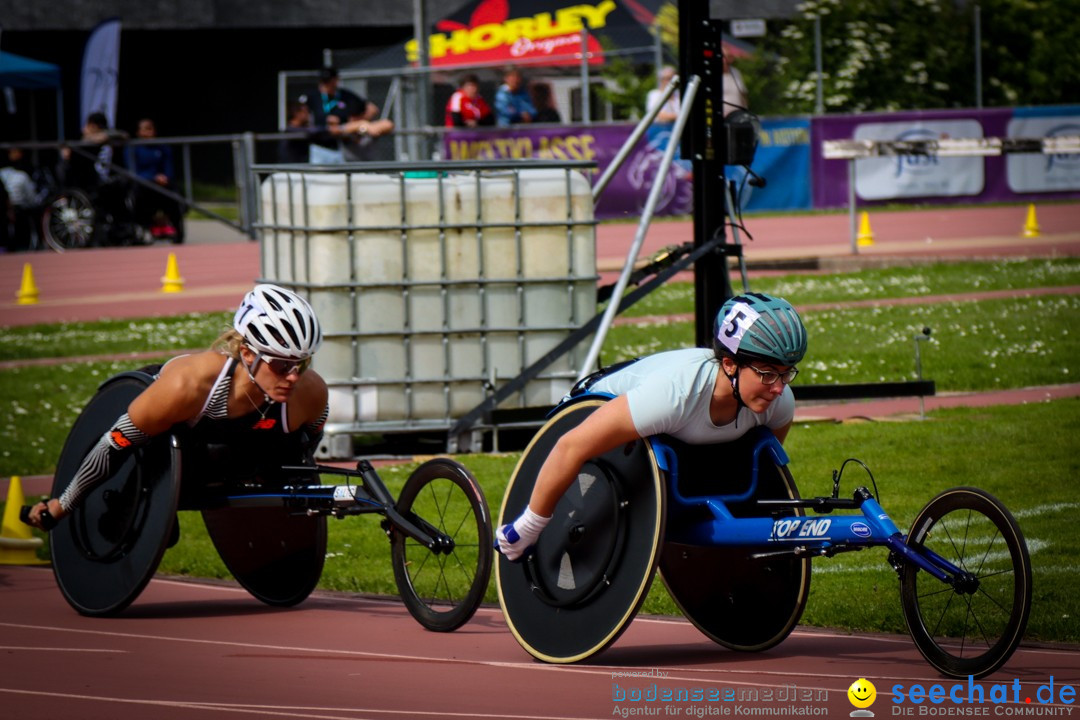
(917, 54)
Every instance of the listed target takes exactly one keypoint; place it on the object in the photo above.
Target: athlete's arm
(175, 396)
(610, 426)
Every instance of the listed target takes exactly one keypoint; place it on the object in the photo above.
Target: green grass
(984, 345)
(882, 283)
(167, 334)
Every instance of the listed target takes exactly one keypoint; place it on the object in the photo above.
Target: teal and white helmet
(755, 326)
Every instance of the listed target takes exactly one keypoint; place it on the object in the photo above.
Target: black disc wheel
(592, 567)
(69, 221)
(734, 595)
(972, 625)
(105, 552)
(442, 588)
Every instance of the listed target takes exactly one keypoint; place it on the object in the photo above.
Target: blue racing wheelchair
(737, 562)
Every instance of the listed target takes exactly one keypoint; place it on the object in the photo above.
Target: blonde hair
(229, 343)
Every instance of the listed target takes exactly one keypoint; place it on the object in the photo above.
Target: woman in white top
(699, 396)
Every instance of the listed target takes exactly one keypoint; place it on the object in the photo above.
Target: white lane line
(281, 710)
(609, 671)
(59, 649)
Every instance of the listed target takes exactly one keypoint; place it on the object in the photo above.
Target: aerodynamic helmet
(278, 323)
(755, 326)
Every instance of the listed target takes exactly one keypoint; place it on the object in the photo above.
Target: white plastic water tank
(427, 287)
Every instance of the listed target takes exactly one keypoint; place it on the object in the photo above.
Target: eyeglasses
(283, 367)
(768, 377)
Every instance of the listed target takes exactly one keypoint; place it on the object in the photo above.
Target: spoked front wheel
(973, 626)
(69, 221)
(441, 589)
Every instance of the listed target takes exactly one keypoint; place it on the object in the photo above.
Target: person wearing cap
(346, 117)
(252, 391)
(698, 395)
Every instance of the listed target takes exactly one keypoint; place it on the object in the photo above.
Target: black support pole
(704, 143)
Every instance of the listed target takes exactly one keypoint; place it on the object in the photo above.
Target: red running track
(189, 651)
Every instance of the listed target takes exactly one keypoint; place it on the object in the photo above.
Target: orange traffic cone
(1031, 226)
(866, 235)
(172, 282)
(28, 291)
(17, 542)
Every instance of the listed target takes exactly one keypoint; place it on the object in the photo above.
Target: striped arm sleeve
(100, 463)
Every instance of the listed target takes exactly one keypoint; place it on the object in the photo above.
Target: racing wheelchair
(737, 562)
(271, 534)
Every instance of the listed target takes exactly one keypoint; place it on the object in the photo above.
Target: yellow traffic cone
(172, 282)
(17, 542)
(28, 292)
(866, 235)
(1031, 227)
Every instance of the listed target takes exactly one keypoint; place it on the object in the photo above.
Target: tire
(107, 550)
(69, 221)
(741, 602)
(972, 631)
(591, 569)
(443, 591)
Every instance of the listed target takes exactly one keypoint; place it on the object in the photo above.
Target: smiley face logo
(862, 693)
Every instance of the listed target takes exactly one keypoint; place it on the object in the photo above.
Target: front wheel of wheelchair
(591, 568)
(69, 221)
(442, 590)
(973, 626)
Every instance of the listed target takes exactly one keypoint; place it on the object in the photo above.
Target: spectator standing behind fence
(297, 149)
(669, 113)
(734, 89)
(466, 107)
(544, 102)
(346, 117)
(512, 103)
(154, 163)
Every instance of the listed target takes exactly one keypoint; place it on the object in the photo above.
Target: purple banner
(628, 190)
(933, 179)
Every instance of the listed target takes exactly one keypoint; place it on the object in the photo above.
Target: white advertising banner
(902, 176)
(100, 72)
(1031, 172)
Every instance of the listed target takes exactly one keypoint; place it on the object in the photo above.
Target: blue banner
(783, 160)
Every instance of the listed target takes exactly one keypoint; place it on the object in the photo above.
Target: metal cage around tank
(435, 282)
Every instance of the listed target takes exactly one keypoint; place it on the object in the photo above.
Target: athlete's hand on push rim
(54, 508)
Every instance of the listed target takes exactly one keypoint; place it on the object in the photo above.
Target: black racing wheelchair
(270, 533)
(730, 535)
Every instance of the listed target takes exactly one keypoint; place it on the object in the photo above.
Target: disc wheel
(442, 590)
(592, 567)
(740, 601)
(973, 626)
(69, 221)
(107, 550)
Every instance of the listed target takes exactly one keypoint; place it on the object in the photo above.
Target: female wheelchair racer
(273, 404)
(683, 472)
(231, 432)
(696, 395)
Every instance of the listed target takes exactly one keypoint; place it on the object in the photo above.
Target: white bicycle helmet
(278, 323)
